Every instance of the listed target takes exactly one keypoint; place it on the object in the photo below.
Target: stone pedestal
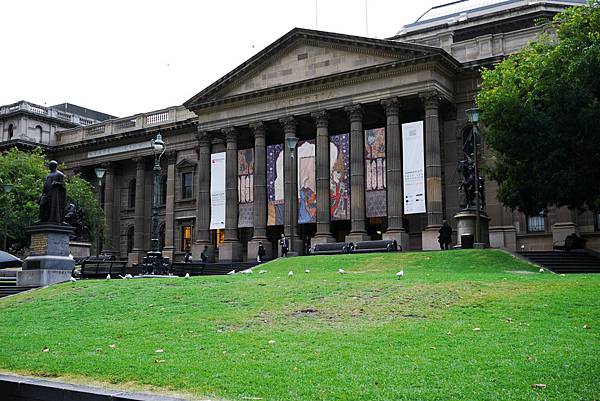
(49, 261)
(320, 239)
(198, 248)
(80, 249)
(230, 252)
(354, 238)
(401, 238)
(429, 238)
(466, 225)
(503, 237)
(561, 230)
(296, 247)
(253, 249)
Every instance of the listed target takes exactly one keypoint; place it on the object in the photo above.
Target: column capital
(203, 138)
(109, 166)
(259, 129)
(321, 118)
(355, 112)
(231, 134)
(431, 98)
(140, 163)
(391, 106)
(171, 156)
(289, 124)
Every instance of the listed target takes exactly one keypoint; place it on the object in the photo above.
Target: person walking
(204, 255)
(261, 252)
(188, 256)
(445, 237)
(284, 243)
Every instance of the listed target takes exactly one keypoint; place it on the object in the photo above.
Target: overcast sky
(124, 57)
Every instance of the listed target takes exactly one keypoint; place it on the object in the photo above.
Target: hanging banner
(275, 184)
(339, 178)
(217, 190)
(245, 187)
(375, 177)
(413, 168)
(307, 183)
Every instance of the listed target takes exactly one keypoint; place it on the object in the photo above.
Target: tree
(541, 108)
(26, 171)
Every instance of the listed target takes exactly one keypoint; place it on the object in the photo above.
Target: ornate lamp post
(473, 118)
(7, 189)
(154, 257)
(291, 143)
(99, 174)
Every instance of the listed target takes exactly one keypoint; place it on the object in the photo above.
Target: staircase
(564, 262)
(8, 283)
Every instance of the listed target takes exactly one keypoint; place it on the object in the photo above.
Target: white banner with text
(217, 190)
(413, 167)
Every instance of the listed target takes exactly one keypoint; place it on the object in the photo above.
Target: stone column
(108, 245)
(169, 249)
(290, 193)
(433, 170)
(231, 249)
(260, 193)
(203, 199)
(137, 253)
(395, 193)
(357, 174)
(323, 234)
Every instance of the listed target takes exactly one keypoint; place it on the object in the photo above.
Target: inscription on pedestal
(39, 244)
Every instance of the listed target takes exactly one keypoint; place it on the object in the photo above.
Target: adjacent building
(231, 178)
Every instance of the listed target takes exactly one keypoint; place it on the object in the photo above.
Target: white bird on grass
(128, 276)
(108, 276)
(247, 271)
(291, 273)
(73, 279)
(306, 271)
(231, 272)
(341, 271)
(541, 269)
(400, 274)
(262, 272)
(187, 275)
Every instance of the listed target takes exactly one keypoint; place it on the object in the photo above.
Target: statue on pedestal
(54, 196)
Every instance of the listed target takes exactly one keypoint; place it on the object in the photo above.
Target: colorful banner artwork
(339, 178)
(413, 167)
(307, 183)
(275, 184)
(217, 190)
(245, 187)
(375, 188)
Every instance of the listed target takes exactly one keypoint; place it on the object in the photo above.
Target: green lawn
(460, 325)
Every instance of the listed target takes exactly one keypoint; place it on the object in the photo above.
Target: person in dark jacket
(445, 237)
(204, 255)
(261, 252)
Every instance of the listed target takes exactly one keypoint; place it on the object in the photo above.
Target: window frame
(131, 194)
(184, 187)
(539, 217)
(186, 242)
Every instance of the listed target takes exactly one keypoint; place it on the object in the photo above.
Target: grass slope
(323, 335)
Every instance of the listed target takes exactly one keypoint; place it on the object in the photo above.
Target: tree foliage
(541, 107)
(19, 208)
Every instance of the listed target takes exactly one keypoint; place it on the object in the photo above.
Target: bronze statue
(54, 196)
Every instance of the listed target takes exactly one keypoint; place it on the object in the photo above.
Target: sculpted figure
(54, 195)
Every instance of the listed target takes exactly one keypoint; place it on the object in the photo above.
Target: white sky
(124, 57)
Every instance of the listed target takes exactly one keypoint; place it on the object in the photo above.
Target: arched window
(130, 234)
(131, 198)
(163, 190)
(11, 129)
(161, 237)
(38, 132)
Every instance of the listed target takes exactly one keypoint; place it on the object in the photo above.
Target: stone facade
(311, 85)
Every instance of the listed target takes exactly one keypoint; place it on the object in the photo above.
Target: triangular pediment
(184, 163)
(303, 55)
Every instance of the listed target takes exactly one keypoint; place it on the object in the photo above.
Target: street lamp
(99, 174)
(154, 257)
(7, 189)
(473, 118)
(291, 143)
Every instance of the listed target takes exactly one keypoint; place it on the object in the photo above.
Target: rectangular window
(536, 224)
(186, 185)
(186, 238)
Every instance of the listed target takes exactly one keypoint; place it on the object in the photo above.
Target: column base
(253, 249)
(429, 238)
(135, 257)
(169, 252)
(503, 237)
(358, 236)
(400, 236)
(198, 248)
(321, 239)
(230, 252)
(561, 230)
(80, 249)
(296, 247)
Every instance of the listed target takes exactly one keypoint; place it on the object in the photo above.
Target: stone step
(11, 290)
